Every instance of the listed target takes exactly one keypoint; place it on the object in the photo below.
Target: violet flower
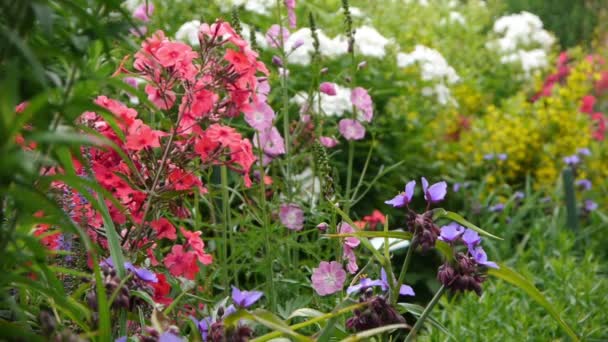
(169, 337)
(481, 257)
(142, 273)
(583, 151)
(519, 195)
(404, 198)
(271, 141)
(572, 160)
(585, 184)
(590, 205)
(471, 238)
(259, 116)
(245, 299)
(496, 208)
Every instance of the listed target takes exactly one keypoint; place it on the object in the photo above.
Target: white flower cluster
(434, 68)
(335, 105)
(188, 33)
(523, 41)
(262, 7)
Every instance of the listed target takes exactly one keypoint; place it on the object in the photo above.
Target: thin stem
(226, 224)
(425, 313)
(404, 267)
(349, 175)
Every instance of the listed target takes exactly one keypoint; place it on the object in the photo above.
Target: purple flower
(585, 184)
(436, 192)
(291, 12)
(404, 290)
(583, 151)
(169, 337)
(351, 129)
(328, 278)
(328, 142)
(519, 195)
(456, 187)
(572, 160)
(496, 208)
(364, 284)
(451, 232)
(259, 116)
(404, 198)
(328, 88)
(142, 14)
(142, 273)
(272, 35)
(270, 141)
(203, 327)
(245, 299)
(471, 238)
(263, 89)
(121, 339)
(481, 257)
(488, 156)
(291, 216)
(361, 99)
(297, 44)
(502, 156)
(590, 205)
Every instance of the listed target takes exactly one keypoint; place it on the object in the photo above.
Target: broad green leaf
(442, 213)
(373, 332)
(305, 312)
(514, 278)
(267, 319)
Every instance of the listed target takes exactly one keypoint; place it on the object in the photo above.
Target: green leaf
(105, 326)
(305, 312)
(374, 332)
(445, 249)
(514, 278)
(267, 319)
(417, 310)
(442, 213)
(368, 234)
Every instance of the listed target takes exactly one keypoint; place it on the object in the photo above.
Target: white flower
(132, 5)
(433, 67)
(521, 29)
(369, 42)
(530, 60)
(302, 54)
(308, 187)
(335, 105)
(262, 7)
(456, 17)
(260, 40)
(188, 32)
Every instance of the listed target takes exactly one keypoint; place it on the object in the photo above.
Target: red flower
(181, 263)
(196, 243)
(587, 104)
(162, 100)
(164, 229)
(170, 53)
(600, 126)
(161, 289)
(375, 219)
(182, 180)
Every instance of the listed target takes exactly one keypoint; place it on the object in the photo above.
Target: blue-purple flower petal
(245, 299)
(451, 232)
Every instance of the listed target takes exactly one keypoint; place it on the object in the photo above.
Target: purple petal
(425, 186)
(169, 337)
(145, 275)
(353, 289)
(409, 190)
(436, 192)
(245, 298)
(398, 201)
(121, 339)
(406, 290)
(229, 310)
(481, 257)
(471, 238)
(451, 232)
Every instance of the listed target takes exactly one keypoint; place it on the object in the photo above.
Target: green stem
(404, 267)
(425, 314)
(349, 175)
(226, 224)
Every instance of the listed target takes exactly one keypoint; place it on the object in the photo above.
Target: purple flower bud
(583, 151)
(590, 205)
(322, 227)
(456, 187)
(502, 156)
(496, 208)
(297, 44)
(572, 160)
(276, 60)
(488, 156)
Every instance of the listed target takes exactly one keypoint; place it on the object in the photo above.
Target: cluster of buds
(140, 281)
(377, 313)
(461, 276)
(424, 229)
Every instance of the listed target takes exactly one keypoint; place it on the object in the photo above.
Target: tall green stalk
(404, 267)
(226, 225)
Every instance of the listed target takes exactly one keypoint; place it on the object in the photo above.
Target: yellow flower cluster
(531, 138)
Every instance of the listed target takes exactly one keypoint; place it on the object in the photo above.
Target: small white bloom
(188, 32)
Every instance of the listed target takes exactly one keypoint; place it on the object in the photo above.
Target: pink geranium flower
(292, 216)
(351, 129)
(361, 99)
(348, 247)
(328, 278)
(259, 116)
(328, 88)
